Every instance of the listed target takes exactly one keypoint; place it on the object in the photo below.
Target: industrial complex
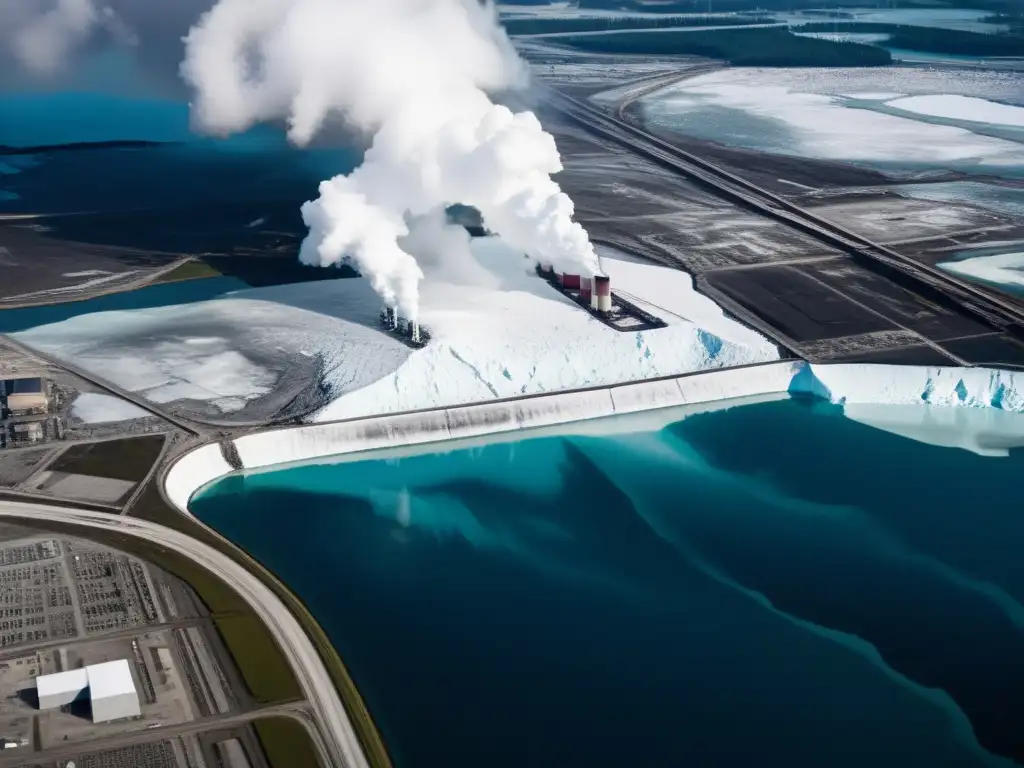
(108, 688)
(100, 653)
(134, 635)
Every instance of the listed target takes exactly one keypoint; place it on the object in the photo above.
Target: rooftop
(62, 682)
(24, 386)
(111, 678)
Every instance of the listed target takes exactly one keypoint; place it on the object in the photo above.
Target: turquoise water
(163, 295)
(769, 584)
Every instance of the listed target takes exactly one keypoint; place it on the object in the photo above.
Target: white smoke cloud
(42, 34)
(415, 75)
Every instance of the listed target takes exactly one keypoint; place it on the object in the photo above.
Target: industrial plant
(411, 333)
(595, 295)
(108, 687)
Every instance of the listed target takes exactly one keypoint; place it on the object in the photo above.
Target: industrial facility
(595, 295)
(108, 687)
(410, 332)
(26, 397)
(26, 412)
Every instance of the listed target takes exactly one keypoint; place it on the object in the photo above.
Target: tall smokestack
(392, 318)
(415, 331)
(603, 293)
(586, 289)
(414, 78)
(570, 280)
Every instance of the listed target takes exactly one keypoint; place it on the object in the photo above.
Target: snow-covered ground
(503, 332)
(873, 96)
(498, 331)
(968, 108)
(93, 408)
(940, 18)
(847, 37)
(1006, 269)
(976, 409)
(230, 350)
(839, 115)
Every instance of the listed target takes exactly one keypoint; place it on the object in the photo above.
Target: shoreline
(842, 383)
(655, 401)
(338, 743)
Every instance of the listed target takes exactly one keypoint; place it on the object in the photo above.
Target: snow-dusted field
(966, 108)
(93, 408)
(1006, 269)
(229, 351)
(498, 331)
(504, 332)
(840, 115)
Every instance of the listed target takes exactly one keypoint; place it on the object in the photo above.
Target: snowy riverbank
(919, 398)
(498, 331)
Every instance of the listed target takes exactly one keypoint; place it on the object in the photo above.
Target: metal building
(109, 687)
(26, 396)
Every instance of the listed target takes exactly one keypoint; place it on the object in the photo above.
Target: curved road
(337, 737)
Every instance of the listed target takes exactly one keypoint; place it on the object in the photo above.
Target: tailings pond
(772, 582)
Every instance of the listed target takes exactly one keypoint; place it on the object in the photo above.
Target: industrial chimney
(586, 289)
(570, 281)
(415, 331)
(602, 294)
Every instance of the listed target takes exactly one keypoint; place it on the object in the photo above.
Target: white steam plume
(415, 74)
(43, 33)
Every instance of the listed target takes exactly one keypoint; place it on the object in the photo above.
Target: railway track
(997, 311)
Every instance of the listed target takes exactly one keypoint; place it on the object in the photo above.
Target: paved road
(72, 750)
(1000, 312)
(337, 737)
(19, 651)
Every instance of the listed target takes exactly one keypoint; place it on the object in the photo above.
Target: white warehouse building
(109, 687)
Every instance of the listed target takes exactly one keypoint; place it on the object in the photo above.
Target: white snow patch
(93, 408)
(499, 331)
(256, 223)
(192, 471)
(873, 96)
(822, 126)
(1002, 269)
(965, 108)
(914, 385)
(87, 273)
(219, 351)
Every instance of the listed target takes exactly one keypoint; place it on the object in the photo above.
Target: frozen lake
(932, 119)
